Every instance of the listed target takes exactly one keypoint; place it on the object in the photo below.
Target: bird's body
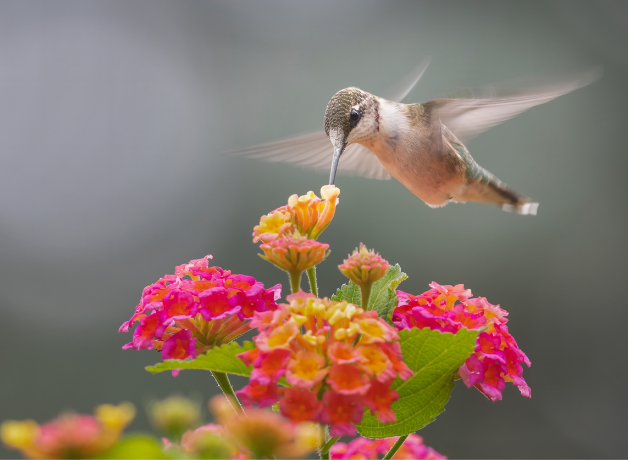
(430, 161)
(421, 145)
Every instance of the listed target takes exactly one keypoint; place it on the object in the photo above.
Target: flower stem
(325, 449)
(295, 281)
(311, 276)
(223, 382)
(393, 450)
(365, 288)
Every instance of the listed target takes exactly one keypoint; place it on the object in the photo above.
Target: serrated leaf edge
(188, 363)
(389, 283)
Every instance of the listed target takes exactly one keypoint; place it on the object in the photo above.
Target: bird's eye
(354, 117)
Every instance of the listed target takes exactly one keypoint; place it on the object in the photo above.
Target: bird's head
(351, 117)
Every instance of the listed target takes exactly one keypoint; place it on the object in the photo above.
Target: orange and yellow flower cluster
(497, 358)
(336, 357)
(289, 233)
(307, 214)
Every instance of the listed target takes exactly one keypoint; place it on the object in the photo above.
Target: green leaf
(434, 357)
(219, 359)
(383, 293)
(349, 292)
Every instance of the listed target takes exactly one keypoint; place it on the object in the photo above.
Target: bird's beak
(334, 163)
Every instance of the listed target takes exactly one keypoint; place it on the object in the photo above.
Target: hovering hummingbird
(418, 144)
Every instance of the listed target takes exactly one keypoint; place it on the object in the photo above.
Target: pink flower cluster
(370, 449)
(497, 358)
(69, 435)
(337, 358)
(197, 308)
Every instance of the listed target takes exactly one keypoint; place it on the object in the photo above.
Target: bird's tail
(489, 189)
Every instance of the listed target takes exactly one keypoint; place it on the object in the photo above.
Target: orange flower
(332, 377)
(306, 214)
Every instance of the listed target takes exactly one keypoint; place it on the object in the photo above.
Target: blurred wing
(400, 90)
(359, 160)
(468, 117)
(315, 150)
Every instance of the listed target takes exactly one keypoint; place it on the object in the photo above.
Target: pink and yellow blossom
(306, 369)
(307, 214)
(337, 357)
(69, 435)
(364, 266)
(294, 253)
(497, 358)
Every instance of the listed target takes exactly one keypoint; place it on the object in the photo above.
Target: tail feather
(489, 189)
(524, 208)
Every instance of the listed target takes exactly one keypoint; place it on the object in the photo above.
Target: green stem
(366, 295)
(393, 450)
(295, 281)
(325, 449)
(223, 382)
(311, 276)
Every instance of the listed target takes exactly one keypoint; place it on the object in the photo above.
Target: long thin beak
(334, 163)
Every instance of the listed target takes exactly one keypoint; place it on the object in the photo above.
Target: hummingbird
(420, 145)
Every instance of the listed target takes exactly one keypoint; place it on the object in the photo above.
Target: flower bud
(364, 266)
(19, 435)
(175, 415)
(115, 417)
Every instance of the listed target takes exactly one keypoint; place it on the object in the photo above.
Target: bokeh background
(114, 117)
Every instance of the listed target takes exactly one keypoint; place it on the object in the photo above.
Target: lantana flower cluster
(497, 358)
(337, 358)
(69, 435)
(371, 449)
(197, 308)
(289, 233)
(256, 434)
(306, 214)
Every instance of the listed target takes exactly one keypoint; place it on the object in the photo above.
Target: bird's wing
(403, 87)
(316, 151)
(470, 116)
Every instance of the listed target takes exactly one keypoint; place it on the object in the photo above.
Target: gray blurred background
(113, 119)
